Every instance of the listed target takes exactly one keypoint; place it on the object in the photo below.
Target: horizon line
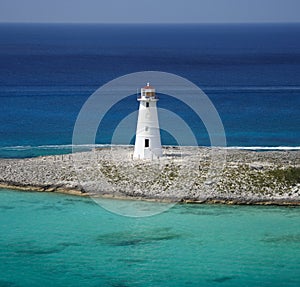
(153, 23)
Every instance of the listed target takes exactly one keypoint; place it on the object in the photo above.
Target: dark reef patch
(222, 279)
(30, 248)
(133, 238)
(6, 207)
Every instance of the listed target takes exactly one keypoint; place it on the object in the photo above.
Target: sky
(150, 11)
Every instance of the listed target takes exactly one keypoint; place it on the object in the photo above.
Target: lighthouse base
(148, 153)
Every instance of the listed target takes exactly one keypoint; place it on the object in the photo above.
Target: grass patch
(289, 175)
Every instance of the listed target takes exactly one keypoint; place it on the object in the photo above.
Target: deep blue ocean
(251, 73)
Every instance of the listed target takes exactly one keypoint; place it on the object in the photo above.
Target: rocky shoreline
(183, 174)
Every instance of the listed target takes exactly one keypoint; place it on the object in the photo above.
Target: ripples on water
(57, 240)
(250, 73)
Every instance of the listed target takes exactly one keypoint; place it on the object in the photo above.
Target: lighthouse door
(146, 142)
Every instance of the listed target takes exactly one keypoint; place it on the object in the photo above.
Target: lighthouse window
(146, 129)
(147, 105)
(146, 142)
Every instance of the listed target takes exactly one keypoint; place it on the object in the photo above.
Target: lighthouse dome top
(148, 87)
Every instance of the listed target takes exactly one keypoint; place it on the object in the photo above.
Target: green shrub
(289, 175)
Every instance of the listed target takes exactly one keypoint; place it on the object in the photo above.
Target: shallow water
(59, 240)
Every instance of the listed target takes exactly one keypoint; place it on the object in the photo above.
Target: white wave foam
(70, 146)
(50, 147)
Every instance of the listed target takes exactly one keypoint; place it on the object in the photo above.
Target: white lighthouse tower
(147, 137)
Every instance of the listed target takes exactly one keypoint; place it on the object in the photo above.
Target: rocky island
(185, 174)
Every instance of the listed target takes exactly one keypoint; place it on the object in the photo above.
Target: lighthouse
(147, 137)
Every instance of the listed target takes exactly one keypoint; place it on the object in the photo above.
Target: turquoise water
(59, 240)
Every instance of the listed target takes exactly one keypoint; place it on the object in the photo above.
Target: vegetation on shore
(290, 175)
